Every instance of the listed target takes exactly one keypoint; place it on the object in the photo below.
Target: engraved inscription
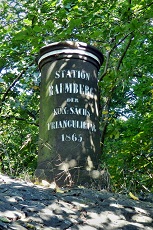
(76, 89)
(73, 88)
(71, 124)
(74, 137)
(71, 111)
(72, 74)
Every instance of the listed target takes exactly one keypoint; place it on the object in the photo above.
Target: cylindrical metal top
(68, 48)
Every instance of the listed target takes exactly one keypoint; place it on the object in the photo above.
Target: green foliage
(123, 31)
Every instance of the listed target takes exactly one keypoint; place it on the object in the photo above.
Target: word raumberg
(73, 88)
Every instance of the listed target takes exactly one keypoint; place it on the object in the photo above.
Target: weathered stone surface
(27, 206)
(3, 225)
(69, 136)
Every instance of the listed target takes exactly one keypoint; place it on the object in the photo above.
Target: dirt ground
(24, 205)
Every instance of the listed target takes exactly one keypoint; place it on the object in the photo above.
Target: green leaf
(20, 36)
(4, 219)
(27, 22)
(37, 29)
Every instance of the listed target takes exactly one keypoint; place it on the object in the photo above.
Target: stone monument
(69, 138)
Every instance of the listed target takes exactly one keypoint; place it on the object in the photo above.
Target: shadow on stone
(24, 205)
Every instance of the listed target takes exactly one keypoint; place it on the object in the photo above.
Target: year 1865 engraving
(72, 137)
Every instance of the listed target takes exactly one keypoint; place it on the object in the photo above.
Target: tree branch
(124, 53)
(13, 84)
(109, 54)
(20, 119)
(105, 122)
(145, 7)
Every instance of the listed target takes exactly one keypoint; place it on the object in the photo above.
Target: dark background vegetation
(123, 31)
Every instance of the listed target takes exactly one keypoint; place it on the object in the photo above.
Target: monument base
(70, 177)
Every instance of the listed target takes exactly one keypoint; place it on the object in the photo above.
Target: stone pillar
(69, 140)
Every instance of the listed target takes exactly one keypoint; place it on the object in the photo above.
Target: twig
(13, 84)
(109, 54)
(145, 7)
(20, 119)
(124, 53)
